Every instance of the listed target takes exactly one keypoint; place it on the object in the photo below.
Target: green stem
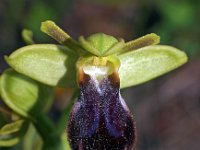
(51, 134)
(46, 129)
(61, 125)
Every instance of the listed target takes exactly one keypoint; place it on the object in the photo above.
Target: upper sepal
(100, 44)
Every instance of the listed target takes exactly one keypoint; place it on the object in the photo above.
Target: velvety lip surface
(100, 119)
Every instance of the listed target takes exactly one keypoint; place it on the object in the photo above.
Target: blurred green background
(167, 109)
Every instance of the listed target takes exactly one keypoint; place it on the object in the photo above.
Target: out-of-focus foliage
(177, 23)
(24, 95)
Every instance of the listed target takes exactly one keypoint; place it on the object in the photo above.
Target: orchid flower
(98, 66)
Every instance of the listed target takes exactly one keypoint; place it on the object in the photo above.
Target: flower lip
(97, 67)
(96, 71)
(102, 120)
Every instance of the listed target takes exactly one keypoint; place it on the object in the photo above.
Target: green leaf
(23, 95)
(10, 141)
(11, 127)
(50, 64)
(147, 63)
(11, 133)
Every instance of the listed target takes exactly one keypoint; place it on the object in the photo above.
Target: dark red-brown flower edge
(100, 119)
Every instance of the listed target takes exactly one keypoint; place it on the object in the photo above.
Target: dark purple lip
(100, 119)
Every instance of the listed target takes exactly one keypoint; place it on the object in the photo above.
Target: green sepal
(50, 64)
(100, 44)
(88, 47)
(116, 48)
(24, 95)
(147, 63)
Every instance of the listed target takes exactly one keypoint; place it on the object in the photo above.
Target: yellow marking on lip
(99, 61)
